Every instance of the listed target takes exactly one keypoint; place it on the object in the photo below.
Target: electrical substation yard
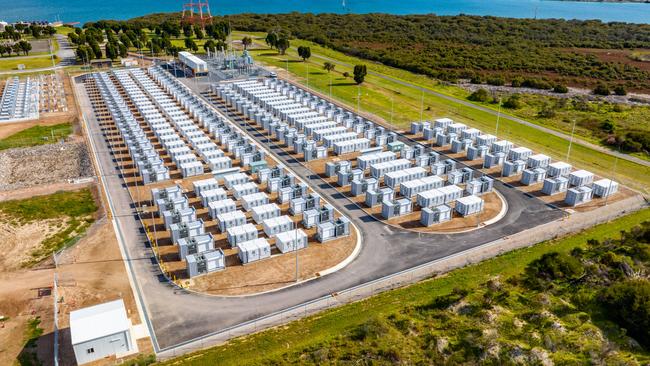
(158, 127)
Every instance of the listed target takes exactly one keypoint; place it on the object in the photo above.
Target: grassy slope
(273, 345)
(37, 135)
(74, 209)
(377, 96)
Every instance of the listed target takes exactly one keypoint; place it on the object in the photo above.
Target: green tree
(210, 44)
(282, 45)
(187, 30)
(550, 267)
(304, 52)
(246, 41)
(329, 66)
(198, 32)
(24, 47)
(360, 72)
(191, 45)
(271, 39)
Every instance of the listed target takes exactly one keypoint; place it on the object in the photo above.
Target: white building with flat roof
(100, 331)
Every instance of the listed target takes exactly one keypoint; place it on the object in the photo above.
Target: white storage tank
(430, 198)
(604, 187)
(451, 193)
(580, 178)
(231, 180)
(511, 168)
(502, 146)
(276, 225)
(230, 219)
(469, 205)
(215, 208)
(219, 163)
(391, 209)
(291, 240)
(435, 215)
(240, 234)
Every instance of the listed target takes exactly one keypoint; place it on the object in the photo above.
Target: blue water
(85, 10)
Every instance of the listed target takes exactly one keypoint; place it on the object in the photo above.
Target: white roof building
(100, 331)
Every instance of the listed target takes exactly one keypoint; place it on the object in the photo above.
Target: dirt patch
(42, 190)
(19, 240)
(47, 164)
(617, 56)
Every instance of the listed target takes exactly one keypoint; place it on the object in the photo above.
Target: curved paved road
(176, 316)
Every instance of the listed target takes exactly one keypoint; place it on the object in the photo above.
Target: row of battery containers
(150, 165)
(182, 156)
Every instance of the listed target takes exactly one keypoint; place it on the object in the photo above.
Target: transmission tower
(197, 12)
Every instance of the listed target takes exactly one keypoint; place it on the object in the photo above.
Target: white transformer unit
(253, 200)
(230, 219)
(215, 208)
(435, 215)
(558, 169)
(555, 185)
(578, 195)
(333, 229)
(276, 225)
(195, 245)
(604, 187)
(212, 195)
(198, 264)
(533, 176)
(264, 212)
(469, 205)
(581, 178)
(289, 241)
(241, 233)
(204, 185)
(254, 250)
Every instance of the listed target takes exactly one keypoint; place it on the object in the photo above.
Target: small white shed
(100, 331)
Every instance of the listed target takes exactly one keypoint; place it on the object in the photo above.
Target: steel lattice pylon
(197, 12)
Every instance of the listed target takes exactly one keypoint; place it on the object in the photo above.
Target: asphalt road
(177, 316)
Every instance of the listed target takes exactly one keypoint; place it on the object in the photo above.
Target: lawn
(399, 104)
(73, 210)
(11, 63)
(307, 335)
(37, 135)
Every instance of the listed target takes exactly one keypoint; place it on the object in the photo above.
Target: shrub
(601, 89)
(516, 82)
(620, 90)
(546, 112)
(476, 79)
(551, 267)
(480, 95)
(628, 304)
(513, 102)
(559, 88)
(496, 81)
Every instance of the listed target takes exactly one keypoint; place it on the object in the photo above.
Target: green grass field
(74, 210)
(307, 335)
(400, 104)
(37, 135)
(11, 63)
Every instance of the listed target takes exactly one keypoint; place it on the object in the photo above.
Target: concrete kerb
(471, 256)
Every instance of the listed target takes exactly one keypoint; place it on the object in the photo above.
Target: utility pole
(296, 247)
(568, 153)
(422, 106)
(496, 132)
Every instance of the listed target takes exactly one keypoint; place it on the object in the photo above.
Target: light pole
(496, 131)
(568, 153)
